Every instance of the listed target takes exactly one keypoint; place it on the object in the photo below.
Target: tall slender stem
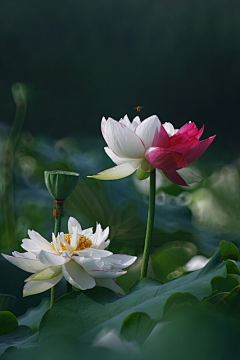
(68, 288)
(58, 218)
(56, 231)
(150, 223)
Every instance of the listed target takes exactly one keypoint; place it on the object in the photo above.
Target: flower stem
(53, 295)
(68, 288)
(150, 223)
(57, 227)
(58, 218)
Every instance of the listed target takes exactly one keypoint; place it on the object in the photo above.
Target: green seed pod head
(60, 184)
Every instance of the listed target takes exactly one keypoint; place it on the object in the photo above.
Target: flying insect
(138, 108)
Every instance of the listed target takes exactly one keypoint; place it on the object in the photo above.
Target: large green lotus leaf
(33, 315)
(137, 326)
(16, 337)
(230, 304)
(83, 315)
(90, 311)
(196, 333)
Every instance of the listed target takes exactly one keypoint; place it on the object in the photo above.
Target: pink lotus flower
(176, 149)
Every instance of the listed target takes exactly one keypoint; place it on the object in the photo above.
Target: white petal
(136, 121)
(33, 246)
(73, 222)
(36, 287)
(39, 240)
(77, 276)
(115, 158)
(26, 255)
(99, 237)
(149, 130)
(74, 238)
(88, 263)
(93, 253)
(56, 244)
(103, 124)
(51, 259)
(46, 274)
(169, 128)
(61, 240)
(121, 261)
(106, 274)
(110, 284)
(26, 264)
(104, 245)
(87, 232)
(123, 141)
(125, 121)
(118, 172)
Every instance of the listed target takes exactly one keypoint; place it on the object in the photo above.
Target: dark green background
(85, 59)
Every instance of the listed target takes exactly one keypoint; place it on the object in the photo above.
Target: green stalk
(58, 218)
(56, 231)
(8, 163)
(68, 288)
(150, 223)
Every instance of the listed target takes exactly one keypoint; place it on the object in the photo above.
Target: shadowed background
(85, 59)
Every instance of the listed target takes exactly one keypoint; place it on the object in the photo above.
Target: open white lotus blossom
(79, 256)
(127, 144)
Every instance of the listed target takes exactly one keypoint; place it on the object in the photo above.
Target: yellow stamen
(83, 242)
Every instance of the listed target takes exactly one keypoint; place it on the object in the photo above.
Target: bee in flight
(138, 108)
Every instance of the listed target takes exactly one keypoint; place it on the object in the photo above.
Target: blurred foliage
(141, 324)
(187, 220)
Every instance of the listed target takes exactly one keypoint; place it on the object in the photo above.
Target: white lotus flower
(127, 145)
(79, 256)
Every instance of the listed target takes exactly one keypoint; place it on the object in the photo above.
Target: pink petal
(186, 147)
(199, 150)
(189, 127)
(175, 177)
(164, 139)
(200, 132)
(164, 159)
(178, 139)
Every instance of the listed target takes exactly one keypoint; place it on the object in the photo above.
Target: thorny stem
(150, 223)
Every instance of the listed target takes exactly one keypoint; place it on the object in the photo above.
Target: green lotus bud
(141, 174)
(60, 184)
